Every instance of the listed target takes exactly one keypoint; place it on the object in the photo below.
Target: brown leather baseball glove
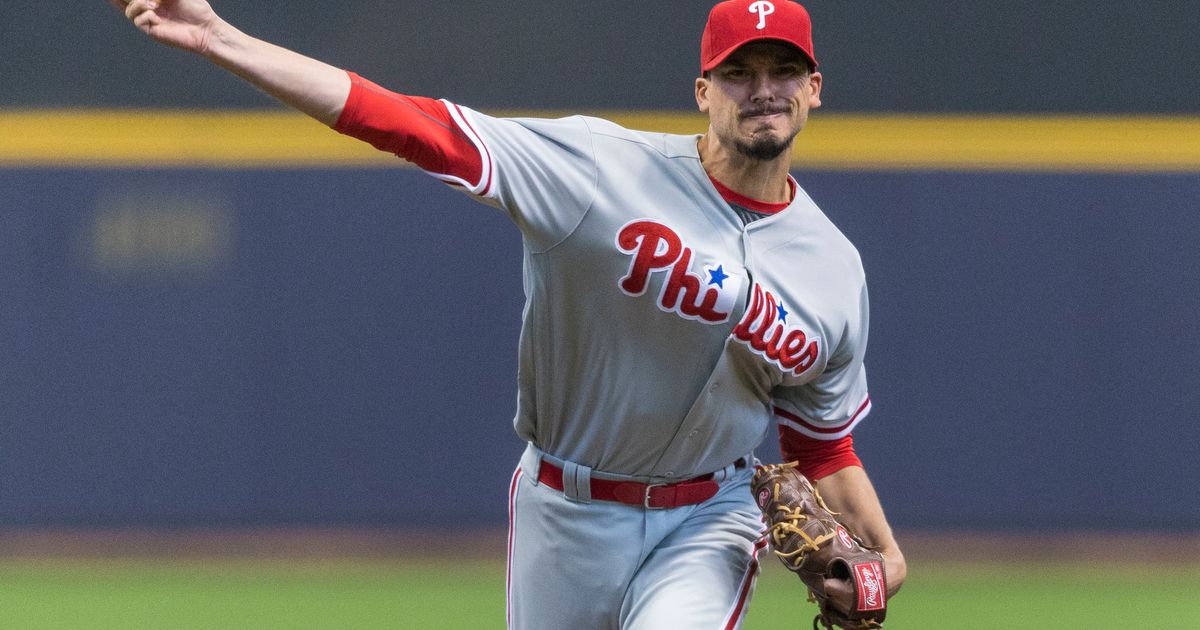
(811, 542)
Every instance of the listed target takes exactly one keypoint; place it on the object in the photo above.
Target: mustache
(765, 111)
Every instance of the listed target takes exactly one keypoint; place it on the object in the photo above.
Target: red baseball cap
(735, 23)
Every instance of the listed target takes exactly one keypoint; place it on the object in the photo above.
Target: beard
(763, 149)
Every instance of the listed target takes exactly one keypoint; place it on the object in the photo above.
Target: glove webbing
(789, 524)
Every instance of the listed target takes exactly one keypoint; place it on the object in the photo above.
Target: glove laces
(790, 521)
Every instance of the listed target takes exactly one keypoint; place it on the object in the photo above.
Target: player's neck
(764, 180)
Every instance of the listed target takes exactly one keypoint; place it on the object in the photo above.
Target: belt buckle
(646, 501)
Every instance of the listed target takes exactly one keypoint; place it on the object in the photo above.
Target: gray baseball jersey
(661, 332)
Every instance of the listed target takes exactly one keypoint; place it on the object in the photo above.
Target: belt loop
(730, 471)
(727, 472)
(577, 482)
(531, 463)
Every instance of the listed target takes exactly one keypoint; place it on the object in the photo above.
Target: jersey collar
(750, 203)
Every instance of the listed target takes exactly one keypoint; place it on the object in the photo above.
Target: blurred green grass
(455, 594)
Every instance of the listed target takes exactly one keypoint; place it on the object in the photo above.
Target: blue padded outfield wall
(308, 346)
(186, 339)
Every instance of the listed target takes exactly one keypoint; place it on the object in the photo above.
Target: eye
(736, 73)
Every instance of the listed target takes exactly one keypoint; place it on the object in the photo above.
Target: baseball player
(680, 291)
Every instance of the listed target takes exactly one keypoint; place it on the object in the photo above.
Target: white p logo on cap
(763, 9)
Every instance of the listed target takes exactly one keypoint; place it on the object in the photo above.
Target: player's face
(758, 99)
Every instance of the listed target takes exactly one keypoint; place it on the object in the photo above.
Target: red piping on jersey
(487, 186)
(512, 527)
(825, 430)
(753, 204)
(739, 609)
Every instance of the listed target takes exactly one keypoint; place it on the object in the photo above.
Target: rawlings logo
(764, 497)
(869, 578)
(656, 248)
(844, 538)
(763, 9)
(764, 328)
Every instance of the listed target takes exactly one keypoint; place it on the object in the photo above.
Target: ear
(814, 83)
(702, 94)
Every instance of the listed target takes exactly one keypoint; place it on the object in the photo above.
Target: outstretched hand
(186, 24)
(313, 87)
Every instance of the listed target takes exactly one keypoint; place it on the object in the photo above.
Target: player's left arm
(838, 473)
(816, 422)
(850, 493)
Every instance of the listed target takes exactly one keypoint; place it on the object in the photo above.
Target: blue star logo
(717, 276)
(782, 313)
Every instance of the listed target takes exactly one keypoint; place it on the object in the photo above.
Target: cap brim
(724, 54)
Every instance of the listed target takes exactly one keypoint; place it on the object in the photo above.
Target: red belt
(652, 496)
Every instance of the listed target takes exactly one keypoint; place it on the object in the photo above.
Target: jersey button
(694, 433)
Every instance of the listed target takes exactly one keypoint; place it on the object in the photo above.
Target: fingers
(146, 21)
(138, 7)
(141, 13)
(840, 593)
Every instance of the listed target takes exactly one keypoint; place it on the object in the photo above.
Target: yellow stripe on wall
(245, 139)
(1013, 143)
(176, 138)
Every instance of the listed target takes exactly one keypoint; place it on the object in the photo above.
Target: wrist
(218, 39)
(895, 569)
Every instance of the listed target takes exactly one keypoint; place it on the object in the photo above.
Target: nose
(762, 89)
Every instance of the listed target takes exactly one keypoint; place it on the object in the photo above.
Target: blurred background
(217, 316)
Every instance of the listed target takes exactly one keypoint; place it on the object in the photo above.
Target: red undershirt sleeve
(418, 129)
(817, 458)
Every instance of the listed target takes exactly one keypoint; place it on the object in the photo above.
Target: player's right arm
(313, 87)
(542, 173)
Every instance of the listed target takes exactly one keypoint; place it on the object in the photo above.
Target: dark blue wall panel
(352, 360)
(1034, 344)
(188, 347)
